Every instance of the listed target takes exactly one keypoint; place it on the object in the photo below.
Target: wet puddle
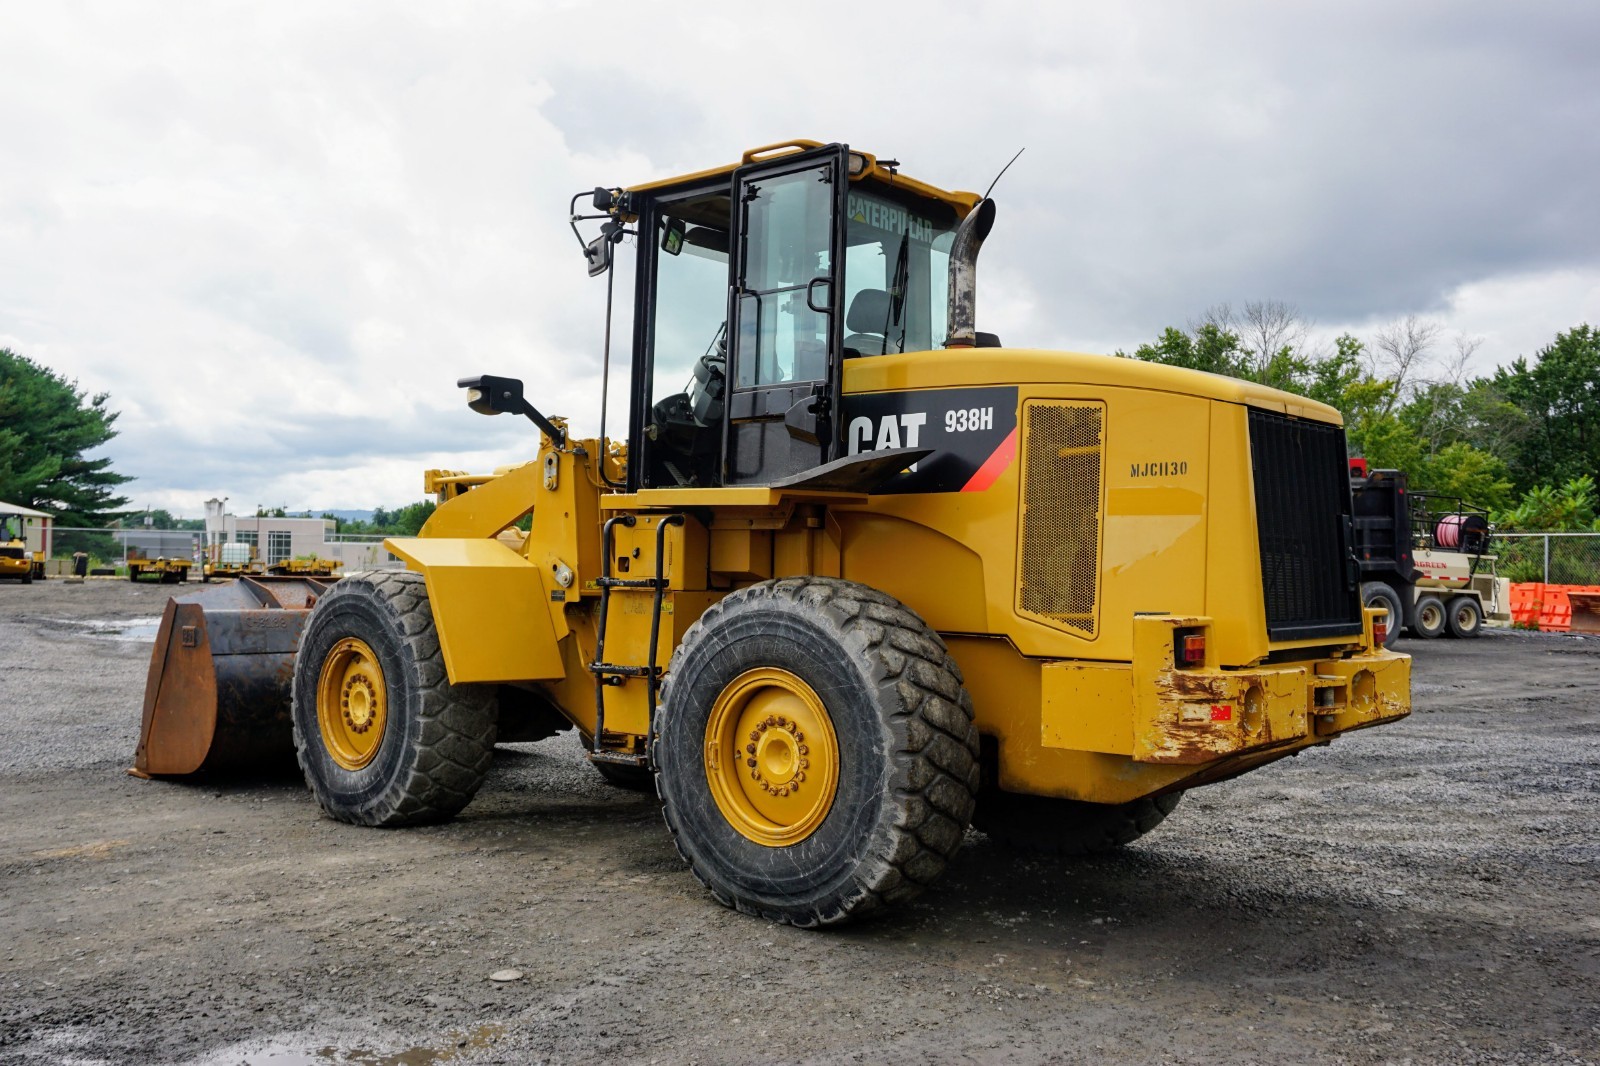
(135, 629)
(283, 1055)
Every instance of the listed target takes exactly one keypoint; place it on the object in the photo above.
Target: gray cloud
(277, 235)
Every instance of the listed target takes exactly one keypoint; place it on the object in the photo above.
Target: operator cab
(753, 284)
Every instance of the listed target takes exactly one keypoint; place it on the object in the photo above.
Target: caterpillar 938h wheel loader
(860, 576)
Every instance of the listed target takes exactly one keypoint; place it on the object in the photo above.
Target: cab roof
(864, 166)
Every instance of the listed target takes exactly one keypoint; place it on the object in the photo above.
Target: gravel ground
(1424, 892)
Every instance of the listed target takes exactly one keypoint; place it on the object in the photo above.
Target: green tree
(409, 519)
(1571, 508)
(1559, 394)
(47, 424)
(1459, 469)
(1210, 348)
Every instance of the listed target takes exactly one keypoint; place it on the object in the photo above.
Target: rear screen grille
(1303, 513)
(1060, 564)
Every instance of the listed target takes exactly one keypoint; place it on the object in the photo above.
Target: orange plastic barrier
(1546, 606)
(1525, 599)
(1555, 613)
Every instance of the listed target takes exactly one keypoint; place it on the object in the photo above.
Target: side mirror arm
(491, 395)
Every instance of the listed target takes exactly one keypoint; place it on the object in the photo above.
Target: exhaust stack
(964, 275)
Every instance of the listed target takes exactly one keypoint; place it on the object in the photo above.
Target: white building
(275, 540)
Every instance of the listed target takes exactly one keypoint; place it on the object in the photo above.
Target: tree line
(1522, 442)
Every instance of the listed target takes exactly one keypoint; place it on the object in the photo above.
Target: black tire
(632, 778)
(1381, 594)
(27, 579)
(1049, 826)
(902, 722)
(1428, 617)
(1464, 617)
(438, 738)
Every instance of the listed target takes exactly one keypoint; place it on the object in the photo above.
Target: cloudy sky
(277, 233)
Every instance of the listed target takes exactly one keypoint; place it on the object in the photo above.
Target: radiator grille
(1303, 518)
(1061, 478)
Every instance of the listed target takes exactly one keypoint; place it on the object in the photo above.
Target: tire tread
(455, 743)
(939, 755)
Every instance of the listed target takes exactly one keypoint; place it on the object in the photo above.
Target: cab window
(897, 261)
(688, 350)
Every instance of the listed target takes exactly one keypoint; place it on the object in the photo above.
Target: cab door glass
(788, 224)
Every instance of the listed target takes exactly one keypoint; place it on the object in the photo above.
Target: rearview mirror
(672, 236)
(490, 395)
(597, 253)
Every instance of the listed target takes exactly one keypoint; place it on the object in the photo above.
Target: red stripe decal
(993, 466)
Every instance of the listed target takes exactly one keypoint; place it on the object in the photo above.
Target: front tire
(383, 737)
(1465, 617)
(1048, 826)
(1428, 617)
(816, 756)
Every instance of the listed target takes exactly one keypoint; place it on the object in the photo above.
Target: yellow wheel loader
(16, 561)
(859, 576)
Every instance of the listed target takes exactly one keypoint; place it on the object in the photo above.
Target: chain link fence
(1550, 558)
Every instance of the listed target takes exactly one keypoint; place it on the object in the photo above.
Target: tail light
(1380, 632)
(1189, 648)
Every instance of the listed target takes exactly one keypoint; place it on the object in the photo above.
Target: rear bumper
(1210, 717)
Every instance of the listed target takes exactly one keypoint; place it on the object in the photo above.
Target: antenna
(1002, 173)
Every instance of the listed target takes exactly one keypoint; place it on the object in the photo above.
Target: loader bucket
(218, 692)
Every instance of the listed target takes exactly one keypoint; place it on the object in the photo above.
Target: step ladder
(614, 674)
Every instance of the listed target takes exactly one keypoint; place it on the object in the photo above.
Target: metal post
(1547, 558)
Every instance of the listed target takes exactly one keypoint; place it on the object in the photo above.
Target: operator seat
(870, 313)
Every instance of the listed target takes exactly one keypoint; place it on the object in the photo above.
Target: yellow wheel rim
(772, 759)
(352, 703)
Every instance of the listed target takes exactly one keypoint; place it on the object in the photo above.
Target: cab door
(784, 323)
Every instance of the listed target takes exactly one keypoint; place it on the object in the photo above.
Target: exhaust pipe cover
(963, 332)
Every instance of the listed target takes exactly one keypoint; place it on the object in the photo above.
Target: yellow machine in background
(860, 576)
(17, 563)
(165, 570)
(307, 567)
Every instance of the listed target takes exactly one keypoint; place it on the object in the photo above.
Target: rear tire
(1428, 617)
(436, 739)
(883, 773)
(1048, 826)
(1381, 594)
(1465, 617)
